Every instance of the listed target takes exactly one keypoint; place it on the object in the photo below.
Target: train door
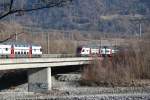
(12, 54)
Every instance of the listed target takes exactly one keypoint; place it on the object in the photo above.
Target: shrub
(130, 64)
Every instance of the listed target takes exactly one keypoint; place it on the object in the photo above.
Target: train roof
(94, 46)
(19, 43)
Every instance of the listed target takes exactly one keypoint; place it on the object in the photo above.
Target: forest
(116, 17)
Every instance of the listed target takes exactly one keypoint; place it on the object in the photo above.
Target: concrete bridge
(39, 69)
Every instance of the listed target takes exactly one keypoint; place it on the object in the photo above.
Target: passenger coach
(15, 50)
(93, 50)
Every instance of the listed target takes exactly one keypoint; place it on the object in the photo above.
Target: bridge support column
(39, 80)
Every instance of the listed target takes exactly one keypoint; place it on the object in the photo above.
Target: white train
(14, 50)
(90, 51)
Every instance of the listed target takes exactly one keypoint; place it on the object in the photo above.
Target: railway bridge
(39, 69)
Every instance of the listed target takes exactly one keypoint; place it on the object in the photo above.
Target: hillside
(90, 15)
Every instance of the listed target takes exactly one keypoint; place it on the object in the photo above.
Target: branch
(11, 4)
(54, 4)
(10, 37)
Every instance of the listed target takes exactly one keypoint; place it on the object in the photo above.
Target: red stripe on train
(12, 55)
(30, 52)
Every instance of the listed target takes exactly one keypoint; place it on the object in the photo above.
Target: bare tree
(8, 7)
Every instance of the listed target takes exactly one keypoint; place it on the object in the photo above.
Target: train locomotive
(19, 50)
(95, 51)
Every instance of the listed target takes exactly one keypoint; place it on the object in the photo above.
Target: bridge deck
(6, 64)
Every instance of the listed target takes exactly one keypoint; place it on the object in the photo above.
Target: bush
(130, 64)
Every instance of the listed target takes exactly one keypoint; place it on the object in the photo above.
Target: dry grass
(130, 64)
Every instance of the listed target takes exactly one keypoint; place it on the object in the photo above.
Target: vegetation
(123, 69)
(106, 16)
(9, 7)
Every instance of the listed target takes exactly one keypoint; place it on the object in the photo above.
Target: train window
(24, 52)
(83, 50)
(15, 52)
(21, 52)
(27, 52)
(107, 50)
(6, 49)
(41, 50)
(18, 52)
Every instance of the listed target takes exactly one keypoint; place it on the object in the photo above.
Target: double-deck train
(97, 51)
(14, 50)
(21, 50)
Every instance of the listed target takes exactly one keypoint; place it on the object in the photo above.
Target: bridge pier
(39, 79)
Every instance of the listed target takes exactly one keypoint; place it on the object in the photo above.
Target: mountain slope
(86, 15)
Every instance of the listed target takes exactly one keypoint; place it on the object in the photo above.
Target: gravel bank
(112, 96)
(65, 88)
